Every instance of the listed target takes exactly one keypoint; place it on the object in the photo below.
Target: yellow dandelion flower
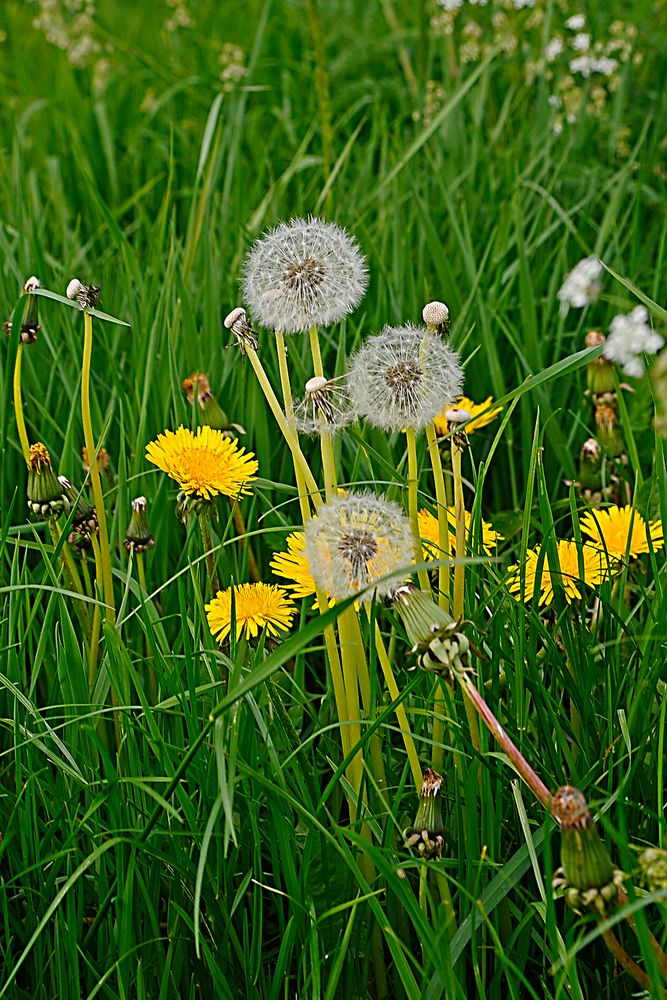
(205, 464)
(480, 414)
(293, 565)
(593, 563)
(428, 531)
(621, 530)
(258, 606)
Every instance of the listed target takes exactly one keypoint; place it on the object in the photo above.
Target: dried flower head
(326, 406)
(30, 319)
(304, 273)
(206, 464)
(622, 531)
(86, 296)
(425, 834)
(479, 415)
(255, 607)
(581, 286)
(84, 522)
(237, 322)
(403, 377)
(594, 570)
(211, 413)
(436, 314)
(629, 337)
(355, 542)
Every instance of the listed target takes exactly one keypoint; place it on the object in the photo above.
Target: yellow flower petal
(206, 464)
(257, 606)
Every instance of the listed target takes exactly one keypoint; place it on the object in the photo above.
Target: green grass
(216, 857)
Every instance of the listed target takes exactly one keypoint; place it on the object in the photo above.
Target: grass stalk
(205, 526)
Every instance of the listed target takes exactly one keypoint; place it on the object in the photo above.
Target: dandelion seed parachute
(304, 273)
(356, 541)
(403, 377)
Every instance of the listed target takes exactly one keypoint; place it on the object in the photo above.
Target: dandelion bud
(609, 432)
(403, 376)
(355, 542)
(304, 273)
(211, 411)
(237, 322)
(326, 406)
(587, 875)
(426, 832)
(436, 314)
(590, 465)
(84, 522)
(599, 373)
(45, 493)
(30, 320)
(654, 868)
(437, 640)
(138, 537)
(86, 296)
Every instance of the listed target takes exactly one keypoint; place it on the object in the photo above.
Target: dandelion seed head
(356, 541)
(304, 273)
(629, 337)
(404, 376)
(436, 314)
(581, 285)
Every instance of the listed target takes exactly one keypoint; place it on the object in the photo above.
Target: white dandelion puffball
(356, 541)
(304, 273)
(629, 337)
(581, 285)
(403, 377)
(325, 407)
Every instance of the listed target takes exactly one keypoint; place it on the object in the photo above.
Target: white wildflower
(629, 337)
(581, 285)
(356, 541)
(553, 49)
(304, 273)
(403, 377)
(576, 22)
(450, 5)
(581, 42)
(326, 406)
(521, 4)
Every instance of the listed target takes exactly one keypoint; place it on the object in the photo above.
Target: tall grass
(212, 854)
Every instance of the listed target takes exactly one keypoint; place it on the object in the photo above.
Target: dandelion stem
(71, 576)
(443, 519)
(326, 441)
(349, 651)
(93, 651)
(413, 484)
(151, 675)
(98, 497)
(623, 959)
(18, 405)
(205, 525)
(289, 435)
(364, 680)
(459, 513)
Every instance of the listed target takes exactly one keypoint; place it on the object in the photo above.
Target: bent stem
(103, 550)
(413, 483)
(18, 405)
(474, 701)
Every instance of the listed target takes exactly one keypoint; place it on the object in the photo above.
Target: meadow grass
(211, 853)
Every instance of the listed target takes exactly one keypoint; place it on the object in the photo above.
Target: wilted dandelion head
(304, 273)
(356, 541)
(404, 376)
(326, 406)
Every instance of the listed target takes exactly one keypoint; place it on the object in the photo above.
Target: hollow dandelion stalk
(326, 441)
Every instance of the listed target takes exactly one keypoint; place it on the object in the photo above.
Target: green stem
(459, 513)
(205, 525)
(443, 518)
(348, 643)
(98, 497)
(71, 577)
(413, 502)
(326, 440)
(151, 677)
(94, 648)
(18, 405)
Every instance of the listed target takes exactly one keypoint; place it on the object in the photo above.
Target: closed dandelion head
(581, 286)
(587, 878)
(138, 537)
(478, 415)
(85, 296)
(436, 315)
(425, 834)
(304, 273)
(84, 521)
(401, 378)
(326, 406)
(46, 496)
(205, 464)
(621, 531)
(577, 565)
(356, 541)
(254, 607)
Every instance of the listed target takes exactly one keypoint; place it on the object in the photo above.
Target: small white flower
(583, 65)
(403, 377)
(356, 541)
(304, 273)
(554, 101)
(581, 42)
(326, 406)
(581, 285)
(629, 337)
(553, 49)
(520, 4)
(576, 22)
